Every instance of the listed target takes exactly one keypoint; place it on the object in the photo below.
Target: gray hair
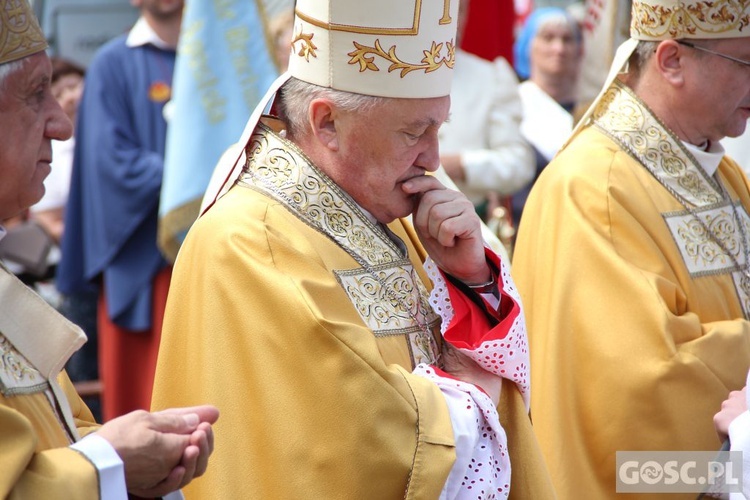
(295, 97)
(9, 68)
(644, 50)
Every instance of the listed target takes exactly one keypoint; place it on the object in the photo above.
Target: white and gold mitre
(20, 33)
(677, 19)
(384, 48)
(387, 48)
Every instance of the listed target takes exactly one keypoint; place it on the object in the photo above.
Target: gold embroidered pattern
(386, 313)
(17, 375)
(690, 18)
(622, 116)
(432, 60)
(702, 254)
(307, 47)
(386, 291)
(12, 362)
(359, 29)
(20, 33)
(707, 233)
(311, 194)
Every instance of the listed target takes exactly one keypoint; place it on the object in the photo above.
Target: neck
(167, 28)
(559, 88)
(674, 120)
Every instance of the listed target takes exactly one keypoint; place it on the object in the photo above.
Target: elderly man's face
(31, 118)
(382, 148)
(719, 89)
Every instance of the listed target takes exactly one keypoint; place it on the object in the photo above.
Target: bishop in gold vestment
(637, 318)
(40, 412)
(282, 295)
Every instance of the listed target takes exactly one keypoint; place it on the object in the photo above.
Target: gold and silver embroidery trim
(386, 290)
(624, 118)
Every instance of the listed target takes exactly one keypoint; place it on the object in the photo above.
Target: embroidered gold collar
(386, 291)
(711, 232)
(627, 120)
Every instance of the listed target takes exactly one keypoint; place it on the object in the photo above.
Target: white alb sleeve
(108, 463)
(482, 466)
(110, 467)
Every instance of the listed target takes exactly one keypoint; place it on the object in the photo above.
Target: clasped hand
(162, 451)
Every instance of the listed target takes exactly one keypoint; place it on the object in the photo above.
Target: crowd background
(548, 59)
(499, 167)
(490, 159)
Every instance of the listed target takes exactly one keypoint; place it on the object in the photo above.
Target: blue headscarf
(522, 47)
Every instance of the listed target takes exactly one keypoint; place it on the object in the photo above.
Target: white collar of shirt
(708, 160)
(143, 34)
(3, 232)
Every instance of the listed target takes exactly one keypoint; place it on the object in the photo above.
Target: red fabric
(127, 359)
(489, 29)
(470, 325)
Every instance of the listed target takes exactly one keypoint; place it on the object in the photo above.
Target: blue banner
(224, 66)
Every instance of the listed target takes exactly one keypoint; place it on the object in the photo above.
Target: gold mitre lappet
(20, 33)
(388, 48)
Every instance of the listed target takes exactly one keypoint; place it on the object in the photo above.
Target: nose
(558, 45)
(58, 125)
(429, 158)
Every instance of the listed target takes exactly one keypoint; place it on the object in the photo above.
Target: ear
(323, 115)
(670, 62)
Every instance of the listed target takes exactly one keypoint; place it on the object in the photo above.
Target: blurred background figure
(280, 29)
(547, 57)
(481, 147)
(605, 25)
(111, 219)
(228, 57)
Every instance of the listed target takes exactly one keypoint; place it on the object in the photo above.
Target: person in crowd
(44, 453)
(111, 218)
(547, 56)
(305, 296)
(633, 259)
(280, 30)
(481, 147)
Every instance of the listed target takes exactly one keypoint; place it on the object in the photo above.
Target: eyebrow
(426, 122)
(41, 80)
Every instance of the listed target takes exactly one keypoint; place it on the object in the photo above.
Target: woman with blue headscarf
(547, 56)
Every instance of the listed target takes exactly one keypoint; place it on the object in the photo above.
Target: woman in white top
(547, 56)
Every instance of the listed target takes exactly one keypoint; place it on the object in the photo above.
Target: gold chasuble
(631, 265)
(40, 412)
(302, 322)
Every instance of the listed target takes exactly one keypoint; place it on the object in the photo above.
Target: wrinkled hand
(162, 451)
(465, 369)
(731, 408)
(449, 229)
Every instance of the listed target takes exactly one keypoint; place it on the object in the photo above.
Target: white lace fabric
(482, 469)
